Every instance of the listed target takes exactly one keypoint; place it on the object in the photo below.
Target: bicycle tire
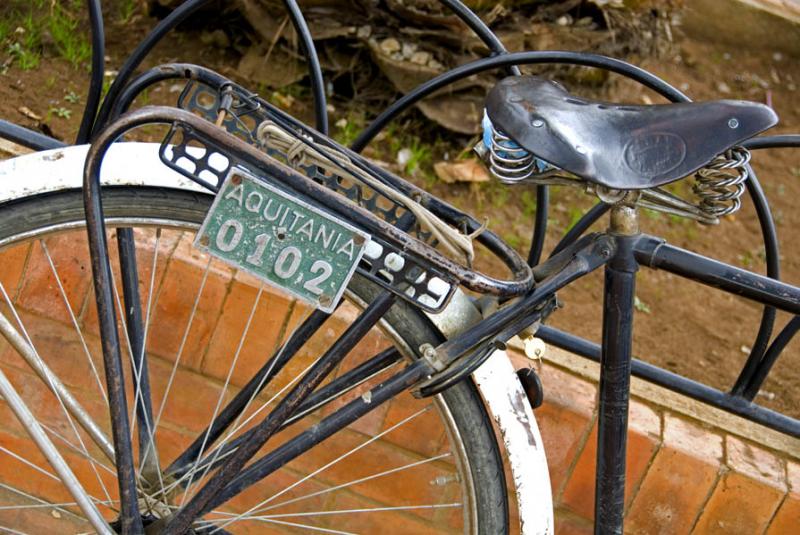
(28, 218)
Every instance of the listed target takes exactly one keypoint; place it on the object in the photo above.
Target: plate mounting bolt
(236, 180)
(204, 240)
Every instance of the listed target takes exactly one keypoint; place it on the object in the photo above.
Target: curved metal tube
(180, 14)
(514, 58)
(184, 11)
(317, 83)
(98, 70)
(474, 22)
(783, 141)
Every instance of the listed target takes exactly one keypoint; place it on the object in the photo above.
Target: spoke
(244, 398)
(71, 407)
(74, 321)
(77, 450)
(283, 523)
(269, 425)
(183, 344)
(332, 463)
(347, 382)
(224, 450)
(50, 377)
(365, 510)
(41, 501)
(224, 390)
(357, 481)
(4, 529)
(29, 463)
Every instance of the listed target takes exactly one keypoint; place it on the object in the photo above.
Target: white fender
(511, 410)
(137, 164)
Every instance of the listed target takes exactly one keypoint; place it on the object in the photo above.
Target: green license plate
(282, 240)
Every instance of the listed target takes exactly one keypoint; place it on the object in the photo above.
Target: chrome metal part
(509, 162)
(721, 183)
(50, 452)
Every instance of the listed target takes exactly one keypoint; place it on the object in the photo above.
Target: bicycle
(221, 138)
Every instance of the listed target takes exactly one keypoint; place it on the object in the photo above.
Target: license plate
(282, 240)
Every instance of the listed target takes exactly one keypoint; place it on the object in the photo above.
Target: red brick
(564, 420)
(173, 308)
(787, 519)
(569, 524)
(746, 497)
(12, 264)
(644, 434)
(424, 434)
(60, 347)
(678, 482)
(376, 521)
(40, 291)
(263, 337)
(415, 485)
(192, 397)
(145, 245)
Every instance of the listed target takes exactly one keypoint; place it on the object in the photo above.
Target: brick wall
(687, 472)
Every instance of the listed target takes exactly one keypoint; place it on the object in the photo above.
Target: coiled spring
(721, 183)
(509, 162)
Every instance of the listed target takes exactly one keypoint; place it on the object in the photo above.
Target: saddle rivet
(538, 123)
(733, 123)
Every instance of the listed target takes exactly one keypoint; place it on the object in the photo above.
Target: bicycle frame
(621, 251)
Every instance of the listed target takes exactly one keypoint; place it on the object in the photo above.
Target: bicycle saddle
(620, 146)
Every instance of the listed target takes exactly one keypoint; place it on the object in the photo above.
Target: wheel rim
(304, 520)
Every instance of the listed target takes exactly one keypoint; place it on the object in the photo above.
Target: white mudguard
(137, 164)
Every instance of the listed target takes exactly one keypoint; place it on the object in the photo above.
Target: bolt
(733, 123)
(325, 300)
(538, 123)
(204, 240)
(605, 252)
(359, 239)
(236, 180)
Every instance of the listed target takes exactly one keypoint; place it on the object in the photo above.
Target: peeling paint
(62, 169)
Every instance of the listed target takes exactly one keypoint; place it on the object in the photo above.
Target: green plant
(61, 111)
(126, 10)
(640, 305)
(72, 97)
(347, 130)
(24, 58)
(70, 43)
(420, 155)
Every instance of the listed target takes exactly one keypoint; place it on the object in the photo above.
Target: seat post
(615, 372)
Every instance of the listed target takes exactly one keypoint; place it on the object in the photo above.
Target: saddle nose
(620, 146)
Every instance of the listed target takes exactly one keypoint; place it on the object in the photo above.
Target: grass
(126, 10)
(71, 44)
(21, 33)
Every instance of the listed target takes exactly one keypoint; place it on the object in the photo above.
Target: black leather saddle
(620, 146)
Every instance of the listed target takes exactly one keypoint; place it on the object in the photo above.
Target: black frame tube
(95, 91)
(204, 497)
(126, 244)
(28, 138)
(770, 356)
(676, 383)
(343, 417)
(130, 519)
(655, 253)
(614, 390)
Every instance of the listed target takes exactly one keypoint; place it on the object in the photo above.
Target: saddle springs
(717, 187)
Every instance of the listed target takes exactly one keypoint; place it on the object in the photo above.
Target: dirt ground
(684, 327)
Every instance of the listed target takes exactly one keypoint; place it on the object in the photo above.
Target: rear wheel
(409, 466)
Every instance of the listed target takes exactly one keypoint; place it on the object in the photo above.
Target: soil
(682, 326)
